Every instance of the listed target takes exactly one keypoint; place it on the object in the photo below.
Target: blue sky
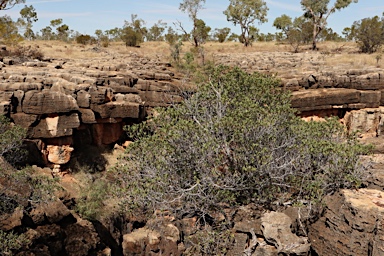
(86, 16)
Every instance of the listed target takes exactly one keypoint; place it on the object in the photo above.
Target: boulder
(276, 228)
(119, 109)
(51, 212)
(351, 225)
(48, 102)
(24, 120)
(100, 94)
(368, 121)
(55, 126)
(138, 240)
(83, 99)
(59, 154)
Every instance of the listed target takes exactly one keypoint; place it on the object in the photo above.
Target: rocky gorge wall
(64, 102)
(356, 95)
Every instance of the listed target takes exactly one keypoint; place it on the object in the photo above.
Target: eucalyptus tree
(318, 11)
(8, 4)
(28, 16)
(245, 13)
(369, 33)
(200, 31)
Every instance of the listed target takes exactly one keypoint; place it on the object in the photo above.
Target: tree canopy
(8, 4)
(245, 13)
(319, 11)
(369, 33)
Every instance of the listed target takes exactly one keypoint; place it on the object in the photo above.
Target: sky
(86, 16)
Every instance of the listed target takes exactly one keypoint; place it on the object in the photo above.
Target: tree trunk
(314, 47)
(245, 37)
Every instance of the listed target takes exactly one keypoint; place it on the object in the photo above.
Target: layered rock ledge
(62, 101)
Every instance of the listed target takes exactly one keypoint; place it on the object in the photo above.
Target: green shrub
(235, 141)
(11, 141)
(26, 53)
(131, 37)
(10, 242)
(90, 205)
(369, 34)
(84, 39)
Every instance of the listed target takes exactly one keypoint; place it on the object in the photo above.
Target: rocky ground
(67, 103)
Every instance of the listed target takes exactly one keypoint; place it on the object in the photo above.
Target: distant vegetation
(310, 28)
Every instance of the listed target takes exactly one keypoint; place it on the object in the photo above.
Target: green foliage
(171, 37)
(28, 16)
(234, 141)
(210, 242)
(133, 32)
(369, 34)
(318, 12)
(244, 13)
(200, 30)
(222, 34)
(10, 242)
(234, 37)
(192, 7)
(284, 23)
(155, 32)
(24, 188)
(84, 39)
(9, 32)
(90, 205)
(11, 140)
(130, 37)
(296, 32)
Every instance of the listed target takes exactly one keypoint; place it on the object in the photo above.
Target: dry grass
(333, 53)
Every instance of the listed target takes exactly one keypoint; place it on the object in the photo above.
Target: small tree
(84, 39)
(245, 13)
(9, 33)
(283, 23)
(133, 32)
(47, 34)
(113, 34)
(369, 33)
(28, 16)
(221, 34)
(171, 37)
(318, 11)
(198, 33)
(63, 32)
(233, 37)
(155, 33)
(296, 32)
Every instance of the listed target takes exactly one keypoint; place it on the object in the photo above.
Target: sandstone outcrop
(315, 85)
(352, 224)
(57, 99)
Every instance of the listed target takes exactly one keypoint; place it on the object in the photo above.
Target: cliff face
(61, 101)
(65, 103)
